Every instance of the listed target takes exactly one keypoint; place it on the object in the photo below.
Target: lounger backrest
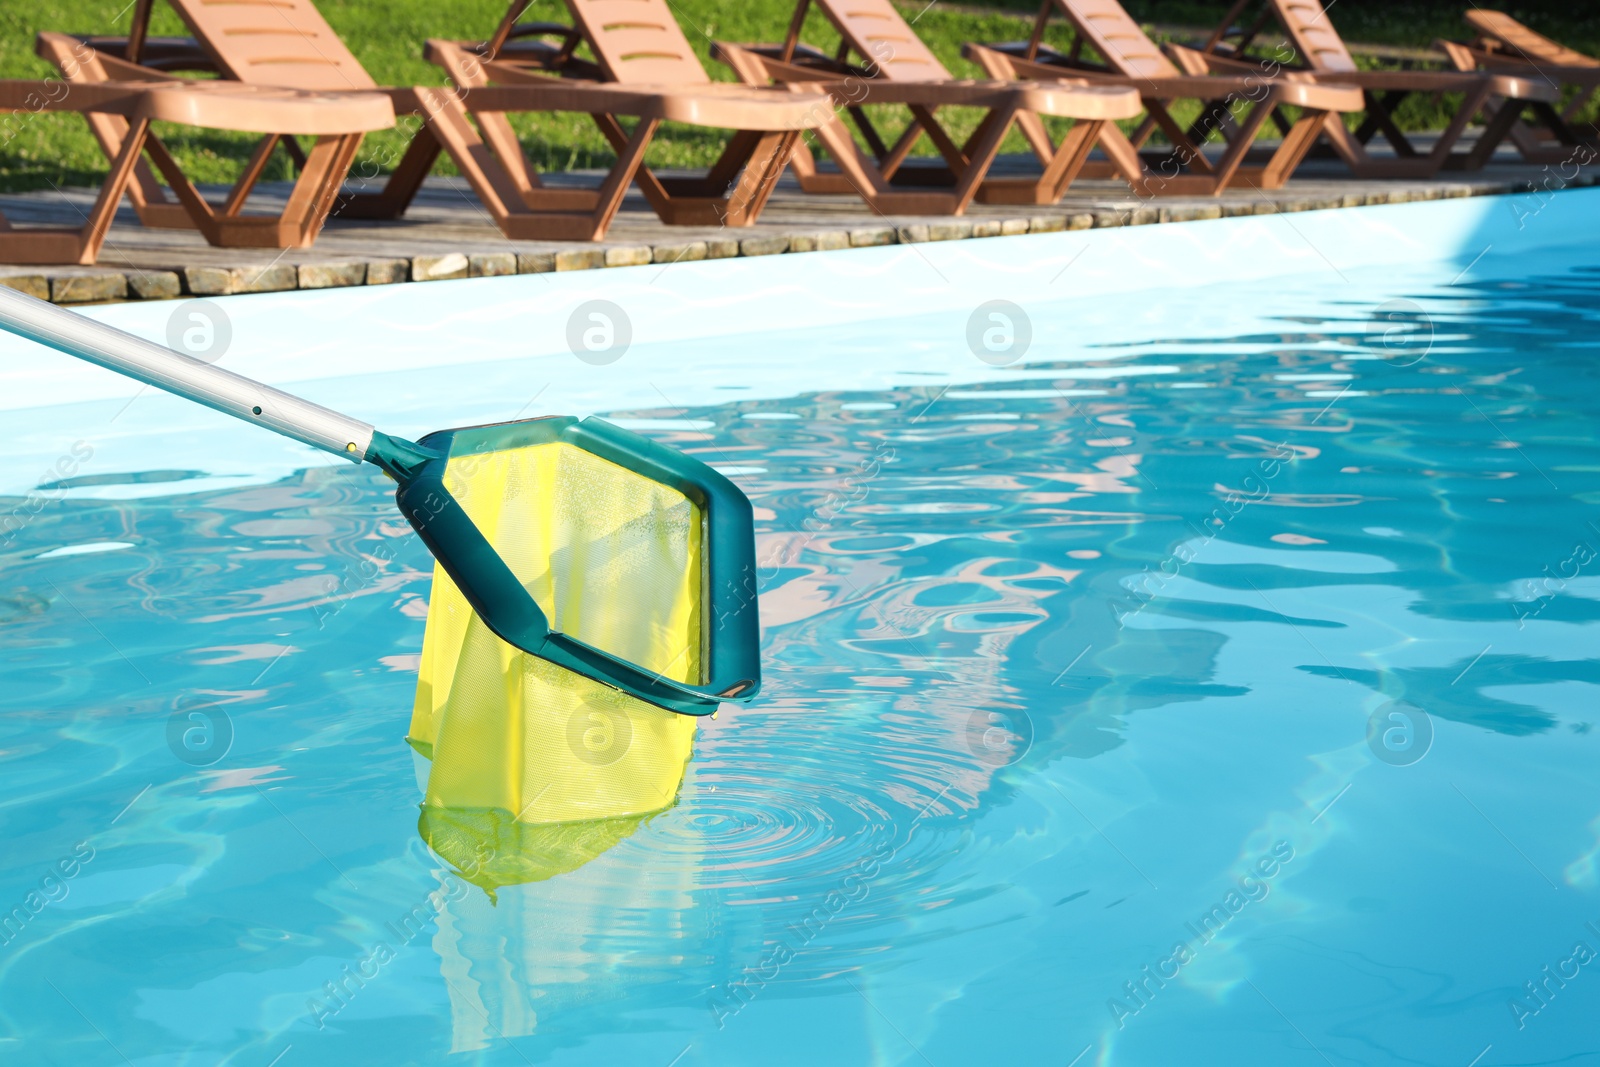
(1118, 38)
(1313, 36)
(880, 34)
(1534, 47)
(638, 42)
(283, 43)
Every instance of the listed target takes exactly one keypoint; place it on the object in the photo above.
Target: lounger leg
(300, 220)
(1296, 145)
(292, 149)
(955, 156)
(252, 173)
(326, 191)
(869, 132)
(1508, 115)
(615, 187)
(1125, 160)
(755, 158)
(1215, 118)
(760, 177)
(1380, 118)
(1033, 129)
(1441, 154)
(1070, 157)
(890, 161)
(804, 165)
(105, 205)
(984, 146)
(1539, 132)
(450, 128)
(1064, 167)
(716, 182)
(654, 191)
(200, 213)
(1346, 146)
(1580, 100)
(149, 198)
(502, 139)
(404, 182)
(1190, 154)
(734, 158)
(1142, 132)
(867, 183)
(1228, 165)
(999, 67)
(1528, 139)
(554, 214)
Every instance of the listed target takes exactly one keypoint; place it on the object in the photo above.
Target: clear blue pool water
(1065, 754)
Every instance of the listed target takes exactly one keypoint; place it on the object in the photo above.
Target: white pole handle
(156, 365)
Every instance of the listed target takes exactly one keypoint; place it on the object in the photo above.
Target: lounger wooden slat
(1514, 38)
(638, 42)
(881, 36)
(1501, 98)
(1116, 36)
(272, 42)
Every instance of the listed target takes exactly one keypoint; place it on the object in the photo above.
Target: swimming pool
(1212, 683)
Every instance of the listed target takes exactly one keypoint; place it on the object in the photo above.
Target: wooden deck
(447, 235)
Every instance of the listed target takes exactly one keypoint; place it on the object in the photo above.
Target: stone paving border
(80, 285)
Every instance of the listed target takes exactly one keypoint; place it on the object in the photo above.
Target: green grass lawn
(40, 151)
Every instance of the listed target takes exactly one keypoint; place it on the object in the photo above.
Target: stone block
(88, 288)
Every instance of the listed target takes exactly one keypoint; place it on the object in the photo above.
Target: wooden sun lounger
(322, 170)
(655, 82)
(733, 193)
(1321, 54)
(288, 43)
(878, 49)
(134, 104)
(1503, 44)
(1133, 60)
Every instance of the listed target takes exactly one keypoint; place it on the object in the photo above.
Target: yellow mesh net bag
(614, 560)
